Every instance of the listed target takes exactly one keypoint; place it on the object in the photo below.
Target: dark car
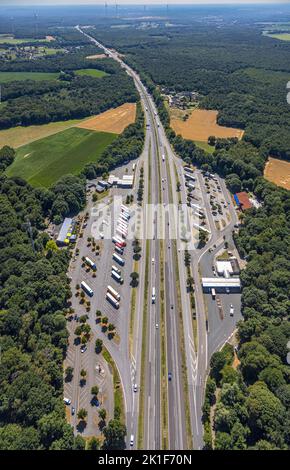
(169, 376)
(73, 411)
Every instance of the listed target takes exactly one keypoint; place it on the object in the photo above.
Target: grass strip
(118, 393)
(164, 394)
(143, 352)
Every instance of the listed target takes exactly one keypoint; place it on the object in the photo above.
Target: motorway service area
(159, 315)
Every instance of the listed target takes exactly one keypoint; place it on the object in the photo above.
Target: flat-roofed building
(65, 232)
(221, 284)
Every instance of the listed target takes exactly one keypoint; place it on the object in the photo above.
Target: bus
(189, 177)
(90, 263)
(118, 259)
(112, 300)
(87, 289)
(121, 232)
(213, 293)
(124, 218)
(114, 268)
(119, 250)
(113, 292)
(122, 225)
(119, 240)
(117, 277)
(196, 206)
(187, 169)
(153, 295)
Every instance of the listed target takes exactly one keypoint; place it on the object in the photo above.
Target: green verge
(118, 393)
(164, 392)
(143, 351)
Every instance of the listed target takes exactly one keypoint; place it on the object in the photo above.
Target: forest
(71, 97)
(236, 70)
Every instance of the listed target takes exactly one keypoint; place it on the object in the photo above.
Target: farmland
(281, 36)
(113, 120)
(91, 73)
(201, 124)
(44, 161)
(6, 77)
(278, 172)
(20, 135)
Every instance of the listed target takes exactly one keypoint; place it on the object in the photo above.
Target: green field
(44, 161)
(281, 36)
(91, 72)
(204, 145)
(8, 39)
(6, 77)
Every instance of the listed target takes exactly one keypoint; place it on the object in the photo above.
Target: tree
(135, 279)
(114, 433)
(82, 414)
(95, 390)
(69, 373)
(51, 246)
(102, 414)
(93, 444)
(99, 346)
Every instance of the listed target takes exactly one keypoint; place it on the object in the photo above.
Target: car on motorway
(169, 376)
(135, 388)
(156, 326)
(153, 260)
(131, 440)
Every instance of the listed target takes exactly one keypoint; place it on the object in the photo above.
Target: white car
(156, 326)
(135, 388)
(153, 260)
(132, 440)
(67, 401)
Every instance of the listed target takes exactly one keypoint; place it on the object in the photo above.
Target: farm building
(65, 232)
(243, 201)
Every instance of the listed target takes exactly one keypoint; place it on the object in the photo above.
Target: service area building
(65, 233)
(221, 284)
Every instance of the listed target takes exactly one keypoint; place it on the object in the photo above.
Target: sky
(136, 2)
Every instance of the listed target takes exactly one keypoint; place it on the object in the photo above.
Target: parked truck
(90, 263)
(117, 277)
(112, 300)
(87, 289)
(113, 292)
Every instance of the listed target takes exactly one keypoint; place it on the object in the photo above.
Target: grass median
(118, 393)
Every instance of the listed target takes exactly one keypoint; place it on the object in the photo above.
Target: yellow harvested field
(96, 56)
(18, 136)
(113, 120)
(201, 124)
(278, 172)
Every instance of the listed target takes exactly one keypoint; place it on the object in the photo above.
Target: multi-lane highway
(169, 327)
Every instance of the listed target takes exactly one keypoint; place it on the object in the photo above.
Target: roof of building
(221, 282)
(65, 229)
(223, 266)
(242, 199)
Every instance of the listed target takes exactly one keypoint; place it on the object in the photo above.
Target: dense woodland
(70, 97)
(235, 69)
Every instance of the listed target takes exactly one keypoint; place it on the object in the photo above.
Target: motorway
(175, 299)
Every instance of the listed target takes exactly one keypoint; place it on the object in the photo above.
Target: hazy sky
(136, 2)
